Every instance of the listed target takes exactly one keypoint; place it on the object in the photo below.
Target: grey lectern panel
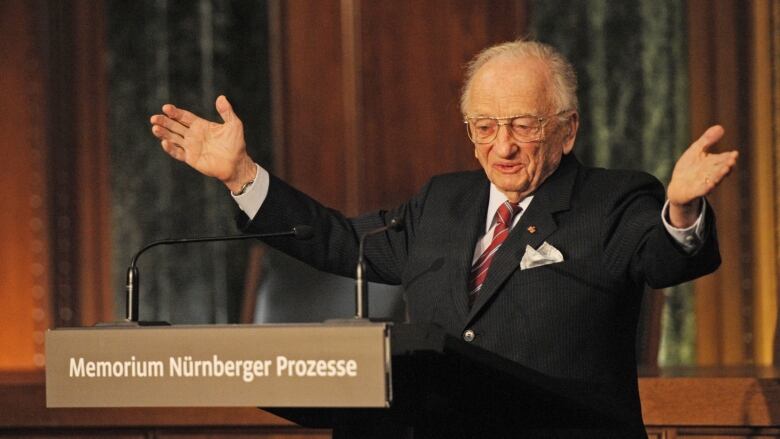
(219, 366)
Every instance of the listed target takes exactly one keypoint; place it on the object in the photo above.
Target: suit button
(468, 335)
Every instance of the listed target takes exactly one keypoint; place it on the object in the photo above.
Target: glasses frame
(543, 120)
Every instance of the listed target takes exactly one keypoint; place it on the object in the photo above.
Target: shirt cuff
(254, 196)
(690, 238)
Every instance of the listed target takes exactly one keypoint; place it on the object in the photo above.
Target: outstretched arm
(213, 149)
(697, 173)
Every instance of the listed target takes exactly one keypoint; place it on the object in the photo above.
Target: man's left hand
(697, 173)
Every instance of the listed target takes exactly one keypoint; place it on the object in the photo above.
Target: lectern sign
(219, 366)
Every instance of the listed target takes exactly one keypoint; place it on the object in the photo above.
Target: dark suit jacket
(573, 320)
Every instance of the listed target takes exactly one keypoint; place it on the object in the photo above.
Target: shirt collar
(496, 199)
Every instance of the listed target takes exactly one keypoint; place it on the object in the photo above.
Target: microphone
(301, 232)
(361, 284)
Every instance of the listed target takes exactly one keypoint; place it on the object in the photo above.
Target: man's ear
(572, 124)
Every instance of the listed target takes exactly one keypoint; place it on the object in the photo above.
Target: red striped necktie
(504, 215)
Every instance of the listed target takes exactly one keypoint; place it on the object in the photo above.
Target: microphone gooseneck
(301, 232)
(361, 284)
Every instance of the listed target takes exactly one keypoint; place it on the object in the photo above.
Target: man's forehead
(503, 104)
(508, 88)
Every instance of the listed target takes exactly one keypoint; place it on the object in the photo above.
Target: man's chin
(518, 188)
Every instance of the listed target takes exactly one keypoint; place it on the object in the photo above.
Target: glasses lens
(482, 130)
(526, 128)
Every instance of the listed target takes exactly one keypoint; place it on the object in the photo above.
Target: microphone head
(396, 224)
(303, 232)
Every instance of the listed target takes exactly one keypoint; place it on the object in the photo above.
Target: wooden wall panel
(23, 414)
(309, 145)
(369, 101)
(54, 264)
(91, 183)
(77, 165)
(717, 93)
(24, 265)
(413, 58)
(764, 174)
(731, 65)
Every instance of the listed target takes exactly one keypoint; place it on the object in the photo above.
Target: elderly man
(536, 257)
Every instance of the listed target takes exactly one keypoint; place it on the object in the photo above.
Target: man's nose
(505, 144)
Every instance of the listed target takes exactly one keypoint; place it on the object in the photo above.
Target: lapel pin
(532, 229)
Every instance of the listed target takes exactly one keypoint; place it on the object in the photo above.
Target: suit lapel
(553, 196)
(471, 224)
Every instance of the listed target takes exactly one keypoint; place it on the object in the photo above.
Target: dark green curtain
(631, 59)
(187, 53)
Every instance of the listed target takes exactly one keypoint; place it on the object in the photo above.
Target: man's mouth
(508, 168)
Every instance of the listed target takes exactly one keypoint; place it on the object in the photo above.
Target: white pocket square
(545, 254)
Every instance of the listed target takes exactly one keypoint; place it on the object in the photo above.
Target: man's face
(511, 87)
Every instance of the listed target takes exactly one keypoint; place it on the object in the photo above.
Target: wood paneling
(712, 403)
(731, 65)
(413, 58)
(692, 403)
(77, 140)
(247, 433)
(24, 253)
(92, 191)
(717, 93)
(764, 190)
(776, 141)
(369, 101)
(310, 143)
(54, 264)
(23, 413)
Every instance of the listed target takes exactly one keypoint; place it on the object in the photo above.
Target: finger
(726, 155)
(173, 150)
(224, 109)
(181, 116)
(162, 132)
(728, 158)
(729, 164)
(169, 125)
(718, 174)
(709, 138)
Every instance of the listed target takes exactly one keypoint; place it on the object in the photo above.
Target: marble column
(187, 53)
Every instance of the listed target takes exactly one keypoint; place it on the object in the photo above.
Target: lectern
(363, 379)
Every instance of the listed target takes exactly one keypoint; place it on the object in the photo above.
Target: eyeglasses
(524, 128)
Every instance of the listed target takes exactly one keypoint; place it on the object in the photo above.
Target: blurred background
(356, 103)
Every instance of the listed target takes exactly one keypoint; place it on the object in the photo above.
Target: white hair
(563, 78)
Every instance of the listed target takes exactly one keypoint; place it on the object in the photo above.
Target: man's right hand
(213, 149)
